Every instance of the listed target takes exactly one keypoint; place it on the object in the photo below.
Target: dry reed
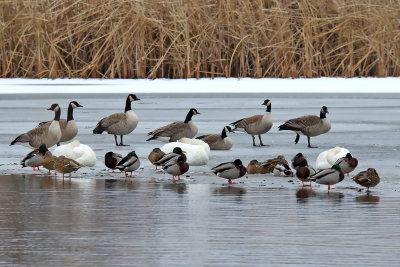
(199, 38)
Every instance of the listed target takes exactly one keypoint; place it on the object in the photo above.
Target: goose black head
(267, 102)
(133, 97)
(228, 129)
(75, 104)
(54, 107)
(238, 162)
(194, 111)
(324, 109)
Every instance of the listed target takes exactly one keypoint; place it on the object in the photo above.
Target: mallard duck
(257, 124)
(327, 158)
(69, 129)
(176, 167)
(81, 153)
(48, 163)
(329, 176)
(196, 150)
(65, 165)
(368, 178)
(129, 163)
(297, 159)
(309, 125)
(230, 170)
(268, 166)
(304, 172)
(111, 160)
(119, 123)
(48, 135)
(282, 170)
(155, 155)
(176, 130)
(176, 152)
(218, 141)
(347, 163)
(253, 167)
(34, 158)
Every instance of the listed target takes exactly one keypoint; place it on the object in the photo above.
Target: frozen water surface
(98, 218)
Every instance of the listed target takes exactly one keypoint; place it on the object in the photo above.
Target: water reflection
(304, 193)
(179, 188)
(230, 190)
(330, 195)
(367, 198)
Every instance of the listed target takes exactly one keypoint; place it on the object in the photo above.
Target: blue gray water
(98, 218)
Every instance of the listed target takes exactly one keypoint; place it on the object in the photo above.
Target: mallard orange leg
(230, 181)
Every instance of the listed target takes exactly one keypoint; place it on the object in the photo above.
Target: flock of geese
(332, 164)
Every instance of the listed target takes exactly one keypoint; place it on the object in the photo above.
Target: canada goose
(282, 170)
(303, 172)
(176, 167)
(81, 153)
(155, 155)
(327, 158)
(257, 124)
(368, 178)
(111, 160)
(48, 135)
(230, 170)
(65, 165)
(69, 129)
(218, 141)
(176, 130)
(119, 123)
(309, 125)
(297, 159)
(176, 152)
(196, 151)
(347, 163)
(129, 163)
(34, 158)
(329, 176)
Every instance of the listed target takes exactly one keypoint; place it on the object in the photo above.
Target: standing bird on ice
(48, 135)
(119, 123)
(129, 163)
(218, 141)
(176, 167)
(176, 130)
(69, 129)
(155, 155)
(257, 124)
(368, 178)
(230, 170)
(309, 125)
(304, 172)
(329, 177)
(111, 160)
(34, 158)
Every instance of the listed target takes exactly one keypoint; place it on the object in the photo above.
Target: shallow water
(98, 218)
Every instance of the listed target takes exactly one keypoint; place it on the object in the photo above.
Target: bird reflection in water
(304, 193)
(179, 188)
(367, 198)
(230, 190)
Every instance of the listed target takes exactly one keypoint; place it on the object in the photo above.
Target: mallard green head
(336, 167)
(43, 149)
(132, 154)
(177, 150)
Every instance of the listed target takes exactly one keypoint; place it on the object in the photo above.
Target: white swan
(327, 159)
(81, 153)
(196, 150)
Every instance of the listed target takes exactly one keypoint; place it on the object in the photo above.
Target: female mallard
(66, 165)
(176, 167)
(111, 160)
(257, 124)
(129, 163)
(368, 178)
(176, 130)
(253, 167)
(304, 172)
(155, 155)
(347, 163)
(34, 158)
(230, 170)
(218, 141)
(329, 176)
(269, 165)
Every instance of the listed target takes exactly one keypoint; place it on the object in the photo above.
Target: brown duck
(368, 178)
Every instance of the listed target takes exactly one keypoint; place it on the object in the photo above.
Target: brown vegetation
(199, 38)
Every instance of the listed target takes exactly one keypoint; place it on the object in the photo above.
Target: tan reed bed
(184, 39)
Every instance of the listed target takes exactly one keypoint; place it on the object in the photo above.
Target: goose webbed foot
(120, 143)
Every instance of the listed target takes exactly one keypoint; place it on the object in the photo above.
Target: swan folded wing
(223, 167)
(300, 123)
(170, 129)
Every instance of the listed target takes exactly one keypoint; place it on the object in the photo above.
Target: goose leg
(116, 142)
(297, 138)
(261, 143)
(254, 143)
(121, 144)
(309, 144)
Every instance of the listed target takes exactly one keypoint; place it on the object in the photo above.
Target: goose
(218, 141)
(176, 167)
(34, 158)
(176, 152)
(309, 125)
(65, 165)
(329, 157)
(48, 135)
(155, 155)
(368, 178)
(304, 172)
(347, 163)
(282, 170)
(196, 150)
(299, 157)
(81, 153)
(329, 176)
(176, 130)
(129, 163)
(69, 129)
(119, 123)
(111, 160)
(230, 170)
(257, 124)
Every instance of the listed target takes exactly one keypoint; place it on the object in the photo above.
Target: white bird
(81, 153)
(196, 151)
(328, 158)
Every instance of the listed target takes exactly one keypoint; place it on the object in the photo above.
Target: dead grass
(184, 39)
